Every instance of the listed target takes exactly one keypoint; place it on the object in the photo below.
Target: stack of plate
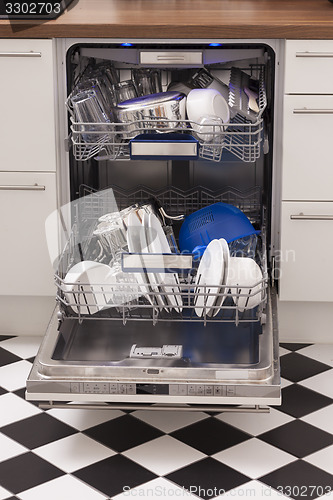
(145, 235)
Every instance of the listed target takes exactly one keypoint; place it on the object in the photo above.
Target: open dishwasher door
(158, 337)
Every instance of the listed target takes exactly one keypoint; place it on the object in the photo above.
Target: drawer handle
(20, 54)
(305, 111)
(311, 217)
(314, 54)
(33, 187)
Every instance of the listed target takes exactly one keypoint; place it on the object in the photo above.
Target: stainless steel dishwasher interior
(231, 361)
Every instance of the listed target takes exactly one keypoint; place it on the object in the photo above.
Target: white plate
(244, 278)
(158, 244)
(226, 258)
(210, 273)
(137, 243)
(88, 285)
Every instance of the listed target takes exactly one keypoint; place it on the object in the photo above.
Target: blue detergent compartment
(219, 220)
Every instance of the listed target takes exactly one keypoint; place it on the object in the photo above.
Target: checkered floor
(96, 455)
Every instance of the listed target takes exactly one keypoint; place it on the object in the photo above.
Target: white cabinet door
(306, 260)
(309, 67)
(307, 148)
(27, 103)
(26, 200)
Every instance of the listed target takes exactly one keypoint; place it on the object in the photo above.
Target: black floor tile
(2, 391)
(298, 401)
(296, 367)
(207, 478)
(26, 471)
(210, 435)
(7, 357)
(37, 430)
(299, 480)
(298, 438)
(6, 337)
(123, 433)
(112, 475)
(293, 346)
(32, 359)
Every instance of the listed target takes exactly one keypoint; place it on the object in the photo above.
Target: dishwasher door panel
(218, 367)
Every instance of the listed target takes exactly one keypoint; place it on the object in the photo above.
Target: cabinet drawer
(307, 148)
(27, 125)
(309, 67)
(26, 200)
(306, 270)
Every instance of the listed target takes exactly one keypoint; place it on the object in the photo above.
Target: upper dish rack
(147, 306)
(109, 140)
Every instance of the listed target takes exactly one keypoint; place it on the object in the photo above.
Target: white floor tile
(256, 423)
(10, 448)
(322, 459)
(322, 383)
(164, 455)
(254, 458)
(157, 488)
(285, 383)
(83, 419)
(283, 351)
(14, 376)
(4, 493)
(14, 408)
(73, 452)
(64, 487)
(169, 421)
(322, 418)
(319, 352)
(25, 347)
(254, 490)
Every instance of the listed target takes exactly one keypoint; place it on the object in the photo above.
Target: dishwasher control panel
(153, 389)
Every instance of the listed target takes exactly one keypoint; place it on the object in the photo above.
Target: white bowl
(87, 287)
(206, 103)
(245, 281)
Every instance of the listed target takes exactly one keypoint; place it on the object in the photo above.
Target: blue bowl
(219, 220)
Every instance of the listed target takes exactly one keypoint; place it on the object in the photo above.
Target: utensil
(124, 90)
(220, 220)
(147, 81)
(206, 103)
(137, 243)
(87, 287)
(160, 112)
(238, 98)
(221, 298)
(209, 278)
(245, 281)
(158, 244)
(253, 96)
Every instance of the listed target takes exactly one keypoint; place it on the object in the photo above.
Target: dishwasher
(157, 338)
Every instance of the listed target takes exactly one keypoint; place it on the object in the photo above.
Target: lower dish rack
(131, 299)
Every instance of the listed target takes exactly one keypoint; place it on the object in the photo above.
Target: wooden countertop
(292, 19)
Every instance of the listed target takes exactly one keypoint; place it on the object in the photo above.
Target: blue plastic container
(219, 220)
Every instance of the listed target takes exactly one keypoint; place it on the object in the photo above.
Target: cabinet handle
(305, 111)
(20, 54)
(33, 187)
(311, 217)
(314, 54)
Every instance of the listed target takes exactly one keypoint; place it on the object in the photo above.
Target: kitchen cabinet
(27, 200)
(307, 175)
(27, 125)
(306, 261)
(307, 147)
(309, 67)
